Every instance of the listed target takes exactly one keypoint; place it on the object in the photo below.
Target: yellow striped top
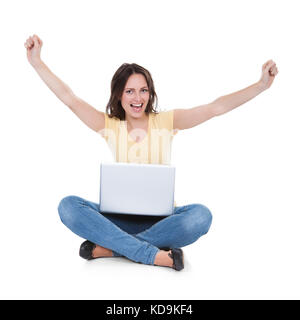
(154, 148)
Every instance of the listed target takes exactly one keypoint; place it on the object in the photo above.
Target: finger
(265, 64)
(30, 42)
(35, 40)
(29, 45)
(34, 37)
(269, 65)
(273, 71)
(39, 41)
(273, 68)
(38, 38)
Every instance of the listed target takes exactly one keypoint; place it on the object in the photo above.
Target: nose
(137, 98)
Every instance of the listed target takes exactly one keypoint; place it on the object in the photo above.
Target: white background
(243, 165)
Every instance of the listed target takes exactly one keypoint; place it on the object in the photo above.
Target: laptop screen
(141, 189)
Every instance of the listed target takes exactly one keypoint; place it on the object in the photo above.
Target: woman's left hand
(269, 72)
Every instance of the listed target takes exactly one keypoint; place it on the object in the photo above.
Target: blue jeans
(136, 237)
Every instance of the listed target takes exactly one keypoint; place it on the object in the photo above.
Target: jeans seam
(153, 257)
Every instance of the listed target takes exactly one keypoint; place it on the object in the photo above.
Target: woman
(132, 127)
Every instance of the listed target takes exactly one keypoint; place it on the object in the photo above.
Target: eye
(128, 91)
(145, 90)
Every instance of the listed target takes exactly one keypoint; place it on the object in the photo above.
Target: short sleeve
(166, 120)
(111, 127)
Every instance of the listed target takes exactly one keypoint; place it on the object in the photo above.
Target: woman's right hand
(33, 45)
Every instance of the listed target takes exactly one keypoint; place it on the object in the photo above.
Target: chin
(137, 115)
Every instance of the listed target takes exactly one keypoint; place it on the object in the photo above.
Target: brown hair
(114, 107)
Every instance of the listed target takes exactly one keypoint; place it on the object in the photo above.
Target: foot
(162, 258)
(99, 252)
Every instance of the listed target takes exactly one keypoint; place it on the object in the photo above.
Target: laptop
(137, 189)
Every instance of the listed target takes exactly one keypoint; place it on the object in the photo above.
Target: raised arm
(93, 118)
(188, 118)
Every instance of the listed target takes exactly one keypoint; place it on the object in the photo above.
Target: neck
(136, 122)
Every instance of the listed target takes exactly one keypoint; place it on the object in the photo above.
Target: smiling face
(135, 96)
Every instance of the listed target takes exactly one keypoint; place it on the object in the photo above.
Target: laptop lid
(141, 189)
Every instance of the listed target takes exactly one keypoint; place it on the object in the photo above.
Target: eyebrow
(134, 88)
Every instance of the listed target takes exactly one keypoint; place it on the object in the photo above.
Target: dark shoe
(177, 256)
(86, 250)
(165, 249)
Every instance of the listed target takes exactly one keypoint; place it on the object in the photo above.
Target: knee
(205, 218)
(200, 219)
(66, 209)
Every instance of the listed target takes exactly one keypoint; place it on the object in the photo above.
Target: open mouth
(136, 107)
